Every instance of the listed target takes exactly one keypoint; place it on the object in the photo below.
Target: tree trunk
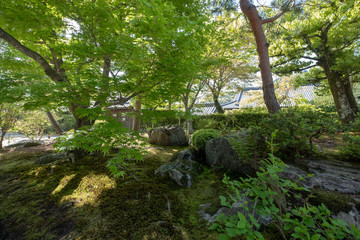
(136, 123)
(217, 104)
(263, 52)
(54, 123)
(82, 122)
(350, 95)
(189, 126)
(79, 121)
(2, 138)
(344, 99)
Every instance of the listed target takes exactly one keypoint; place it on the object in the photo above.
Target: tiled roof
(243, 99)
(204, 108)
(306, 92)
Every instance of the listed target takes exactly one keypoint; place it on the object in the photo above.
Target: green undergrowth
(84, 201)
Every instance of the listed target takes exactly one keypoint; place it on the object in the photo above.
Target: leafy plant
(200, 137)
(268, 194)
(314, 223)
(350, 150)
(102, 138)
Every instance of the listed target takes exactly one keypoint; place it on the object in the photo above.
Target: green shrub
(350, 151)
(205, 123)
(200, 137)
(232, 121)
(355, 125)
(33, 124)
(296, 128)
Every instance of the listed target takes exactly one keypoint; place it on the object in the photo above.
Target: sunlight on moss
(89, 189)
(162, 154)
(63, 182)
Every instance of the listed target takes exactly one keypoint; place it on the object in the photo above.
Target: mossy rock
(335, 202)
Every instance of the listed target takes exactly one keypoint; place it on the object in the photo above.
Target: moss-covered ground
(83, 200)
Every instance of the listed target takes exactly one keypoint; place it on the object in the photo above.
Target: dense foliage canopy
(89, 55)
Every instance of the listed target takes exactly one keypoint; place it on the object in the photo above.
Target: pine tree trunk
(263, 52)
(54, 123)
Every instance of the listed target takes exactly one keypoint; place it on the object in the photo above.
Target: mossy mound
(334, 201)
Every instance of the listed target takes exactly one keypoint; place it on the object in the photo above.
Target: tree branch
(49, 71)
(278, 15)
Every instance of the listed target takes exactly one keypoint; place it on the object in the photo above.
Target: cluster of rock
(219, 153)
(183, 170)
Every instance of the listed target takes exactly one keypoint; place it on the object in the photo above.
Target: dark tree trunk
(54, 123)
(343, 96)
(3, 132)
(350, 95)
(82, 122)
(217, 104)
(263, 52)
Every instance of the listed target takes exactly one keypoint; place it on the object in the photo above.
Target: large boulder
(171, 135)
(50, 158)
(25, 144)
(331, 175)
(239, 152)
(183, 170)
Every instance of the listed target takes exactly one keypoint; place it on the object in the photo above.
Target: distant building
(247, 98)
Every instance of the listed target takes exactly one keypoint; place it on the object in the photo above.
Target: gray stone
(180, 177)
(236, 207)
(241, 158)
(352, 217)
(26, 143)
(332, 175)
(171, 135)
(50, 158)
(188, 154)
(183, 170)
